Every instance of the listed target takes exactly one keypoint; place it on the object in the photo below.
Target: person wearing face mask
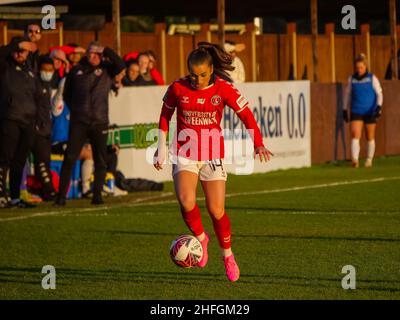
(20, 96)
(42, 145)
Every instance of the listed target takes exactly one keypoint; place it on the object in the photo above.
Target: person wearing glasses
(20, 98)
(33, 33)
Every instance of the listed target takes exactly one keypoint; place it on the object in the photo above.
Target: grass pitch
(293, 231)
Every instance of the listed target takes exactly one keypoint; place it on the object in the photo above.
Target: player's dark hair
(212, 54)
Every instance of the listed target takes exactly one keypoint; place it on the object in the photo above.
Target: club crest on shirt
(185, 99)
(216, 100)
(201, 100)
(98, 72)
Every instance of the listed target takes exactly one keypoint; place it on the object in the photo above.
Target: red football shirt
(199, 114)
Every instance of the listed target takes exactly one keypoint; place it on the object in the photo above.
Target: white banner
(282, 111)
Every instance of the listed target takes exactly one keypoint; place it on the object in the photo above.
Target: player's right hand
(157, 161)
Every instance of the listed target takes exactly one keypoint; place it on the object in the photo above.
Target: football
(186, 251)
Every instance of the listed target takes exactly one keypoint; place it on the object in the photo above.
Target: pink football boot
(231, 268)
(202, 263)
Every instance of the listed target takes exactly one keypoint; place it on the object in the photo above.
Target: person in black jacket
(42, 145)
(33, 33)
(19, 98)
(86, 92)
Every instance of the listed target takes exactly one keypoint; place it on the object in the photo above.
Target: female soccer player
(364, 94)
(199, 99)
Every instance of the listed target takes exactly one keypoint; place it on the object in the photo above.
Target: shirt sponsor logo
(201, 100)
(185, 99)
(216, 100)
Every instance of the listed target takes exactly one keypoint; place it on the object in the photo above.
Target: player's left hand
(263, 153)
(378, 111)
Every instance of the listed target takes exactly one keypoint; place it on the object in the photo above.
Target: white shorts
(207, 170)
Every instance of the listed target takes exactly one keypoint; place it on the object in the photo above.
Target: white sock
(355, 149)
(87, 169)
(227, 252)
(201, 237)
(370, 149)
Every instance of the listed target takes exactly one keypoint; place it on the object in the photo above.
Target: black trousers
(42, 153)
(16, 140)
(79, 133)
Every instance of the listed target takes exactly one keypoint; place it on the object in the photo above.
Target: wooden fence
(331, 137)
(268, 57)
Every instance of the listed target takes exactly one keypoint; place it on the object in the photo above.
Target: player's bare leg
(215, 201)
(185, 183)
(370, 132)
(356, 131)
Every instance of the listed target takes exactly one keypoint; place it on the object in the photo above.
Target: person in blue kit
(363, 95)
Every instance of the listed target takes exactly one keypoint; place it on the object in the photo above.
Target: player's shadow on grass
(30, 275)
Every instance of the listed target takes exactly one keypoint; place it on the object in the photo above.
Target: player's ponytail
(214, 55)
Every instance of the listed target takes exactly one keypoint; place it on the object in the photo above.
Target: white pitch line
(141, 201)
(76, 210)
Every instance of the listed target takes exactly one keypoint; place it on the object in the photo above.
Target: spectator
(86, 93)
(61, 64)
(133, 77)
(33, 33)
(17, 116)
(144, 69)
(155, 74)
(42, 145)
(238, 75)
(73, 52)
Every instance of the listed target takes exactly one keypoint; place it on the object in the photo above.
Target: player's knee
(187, 201)
(217, 211)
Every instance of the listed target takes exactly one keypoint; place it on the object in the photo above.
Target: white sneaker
(118, 192)
(368, 163)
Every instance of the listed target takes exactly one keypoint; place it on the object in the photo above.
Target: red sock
(193, 220)
(222, 228)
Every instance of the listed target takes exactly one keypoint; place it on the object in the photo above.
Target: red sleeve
(240, 105)
(156, 75)
(131, 55)
(169, 104)
(67, 49)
